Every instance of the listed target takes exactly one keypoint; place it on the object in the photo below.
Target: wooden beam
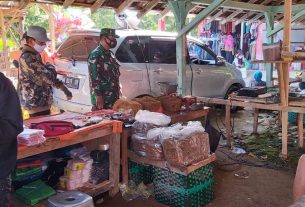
(123, 6)
(148, 7)
(231, 16)
(280, 9)
(23, 4)
(243, 18)
(203, 14)
(269, 19)
(235, 5)
(164, 12)
(97, 4)
(256, 17)
(67, 3)
(296, 17)
(217, 15)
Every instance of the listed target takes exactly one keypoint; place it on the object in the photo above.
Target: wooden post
(242, 35)
(255, 121)
(228, 125)
(285, 75)
(124, 149)
(114, 163)
(269, 17)
(3, 36)
(52, 27)
(300, 130)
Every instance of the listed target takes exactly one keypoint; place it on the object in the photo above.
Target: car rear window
(78, 47)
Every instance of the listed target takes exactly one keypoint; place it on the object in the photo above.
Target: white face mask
(39, 48)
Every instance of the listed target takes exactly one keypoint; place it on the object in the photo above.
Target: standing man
(104, 72)
(37, 78)
(11, 125)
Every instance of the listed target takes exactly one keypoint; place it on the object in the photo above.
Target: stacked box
(177, 190)
(139, 173)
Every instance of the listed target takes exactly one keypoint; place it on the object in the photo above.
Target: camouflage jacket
(104, 76)
(36, 79)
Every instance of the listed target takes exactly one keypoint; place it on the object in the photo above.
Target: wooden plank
(67, 3)
(300, 130)
(236, 5)
(94, 190)
(114, 171)
(149, 6)
(97, 4)
(189, 116)
(228, 125)
(284, 134)
(165, 165)
(164, 12)
(123, 6)
(203, 14)
(55, 143)
(124, 139)
(255, 121)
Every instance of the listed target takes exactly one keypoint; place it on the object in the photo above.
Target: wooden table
(175, 118)
(91, 137)
(292, 107)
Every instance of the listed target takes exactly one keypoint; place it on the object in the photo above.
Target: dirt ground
(263, 187)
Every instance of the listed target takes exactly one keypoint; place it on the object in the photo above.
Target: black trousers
(5, 189)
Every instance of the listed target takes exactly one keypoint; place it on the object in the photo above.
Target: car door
(133, 57)
(208, 77)
(162, 62)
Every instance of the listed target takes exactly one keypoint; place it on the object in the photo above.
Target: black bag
(214, 135)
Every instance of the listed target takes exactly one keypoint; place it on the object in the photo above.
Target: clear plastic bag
(31, 137)
(131, 191)
(81, 153)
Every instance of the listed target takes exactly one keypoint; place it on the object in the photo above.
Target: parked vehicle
(146, 58)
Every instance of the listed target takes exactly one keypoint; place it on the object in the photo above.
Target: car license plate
(71, 82)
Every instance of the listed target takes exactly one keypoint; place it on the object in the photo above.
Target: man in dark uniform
(104, 72)
(37, 78)
(11, 125)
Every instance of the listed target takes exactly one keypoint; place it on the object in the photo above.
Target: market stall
(91, 135)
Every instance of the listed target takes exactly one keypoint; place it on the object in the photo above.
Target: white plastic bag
(31, 137)
(155, 118)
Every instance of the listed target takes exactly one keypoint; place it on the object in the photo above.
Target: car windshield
(78, 47)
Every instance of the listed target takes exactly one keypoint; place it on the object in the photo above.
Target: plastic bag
(149, 148)
(31, 137)
(141, 128)
(155, 118)
(81, 153)
(131, 191)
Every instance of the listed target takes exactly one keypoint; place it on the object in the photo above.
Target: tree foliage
(104, 18)
(36, 16)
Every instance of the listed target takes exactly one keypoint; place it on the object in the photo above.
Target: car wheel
(232, 89)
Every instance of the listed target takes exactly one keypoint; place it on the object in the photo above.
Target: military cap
(38, 33)
(108, 32)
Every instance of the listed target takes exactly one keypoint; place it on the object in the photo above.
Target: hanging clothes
(229, 47)
(214, 27)
(259, 43)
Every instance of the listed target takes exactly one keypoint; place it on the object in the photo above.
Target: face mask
(111, 43)
(39, 48)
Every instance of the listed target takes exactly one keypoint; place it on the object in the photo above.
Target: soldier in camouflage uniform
(36, 78)
(104, 72)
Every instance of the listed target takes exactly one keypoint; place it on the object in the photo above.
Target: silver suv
(146, 58)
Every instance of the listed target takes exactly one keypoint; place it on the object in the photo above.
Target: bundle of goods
(54, 128)
(27, 171)
(185, 145)
(188, 102)
(34, 192)
(170, 103)
(123, 105)
(145, 139)
(31, 137)
(149, 103)
(100, 167)
(78, 170)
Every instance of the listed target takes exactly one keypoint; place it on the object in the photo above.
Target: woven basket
(171, 103)
(149, 103)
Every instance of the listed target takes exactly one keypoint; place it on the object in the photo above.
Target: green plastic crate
(139, 173)
(196, 196)
(175, 179)
(34, 192)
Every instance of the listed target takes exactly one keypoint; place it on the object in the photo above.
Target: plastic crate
(196, 196)
(292, 117)
(140, 173)
(177, 190)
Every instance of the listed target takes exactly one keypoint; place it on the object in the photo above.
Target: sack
(54, 128)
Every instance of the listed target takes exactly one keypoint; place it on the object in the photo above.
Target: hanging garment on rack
(259, 43)
(214, 27)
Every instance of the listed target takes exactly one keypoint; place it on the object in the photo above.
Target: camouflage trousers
(5, 189)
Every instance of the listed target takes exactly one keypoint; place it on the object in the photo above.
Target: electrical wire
(192, 71)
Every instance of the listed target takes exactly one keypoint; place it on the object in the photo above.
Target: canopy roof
(239, 10)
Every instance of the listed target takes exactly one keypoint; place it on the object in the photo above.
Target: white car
(146, 58)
